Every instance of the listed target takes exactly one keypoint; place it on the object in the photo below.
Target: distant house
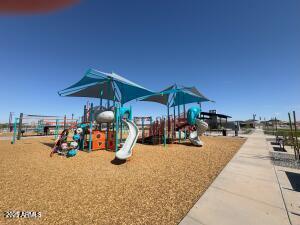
(278, 123)
(215, 120)
(248, 123)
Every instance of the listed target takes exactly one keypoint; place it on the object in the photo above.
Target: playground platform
(249, 190)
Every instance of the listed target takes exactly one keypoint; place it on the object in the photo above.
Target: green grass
(281, 132)
(285, 133)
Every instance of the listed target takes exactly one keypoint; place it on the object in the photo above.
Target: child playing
(73, 149)
(62, 138)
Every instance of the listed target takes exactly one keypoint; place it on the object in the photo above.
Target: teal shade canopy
(110, 86)
(188, 95)
(161, 97)
(173, 96)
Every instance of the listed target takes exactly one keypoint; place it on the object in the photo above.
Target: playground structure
(97, 137)
(40, 125)
(166, 130)
(102, 135)
(174, 128)
(103, 125)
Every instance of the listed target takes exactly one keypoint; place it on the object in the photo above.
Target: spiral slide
(126, 151)
(194, 136)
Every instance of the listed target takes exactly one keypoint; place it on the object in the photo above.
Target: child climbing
(61, 146)
(74, 145)
(62, 138)
(73, 149)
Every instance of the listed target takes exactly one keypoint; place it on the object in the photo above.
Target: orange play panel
(99, 140)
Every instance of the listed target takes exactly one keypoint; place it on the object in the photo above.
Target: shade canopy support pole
(117, 120)
(168, 120)
(174, 123)
(179, 132)
(108, 106)
(91, 126)
(20, 126)
(184, 115)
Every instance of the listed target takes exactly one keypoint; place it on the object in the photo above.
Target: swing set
(27, 125)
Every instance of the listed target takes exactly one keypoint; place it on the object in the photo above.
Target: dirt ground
(157, 186)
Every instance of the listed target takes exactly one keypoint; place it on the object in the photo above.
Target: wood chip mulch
(156, 186)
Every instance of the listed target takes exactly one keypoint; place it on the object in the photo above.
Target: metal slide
(126, 151)
(194, 136)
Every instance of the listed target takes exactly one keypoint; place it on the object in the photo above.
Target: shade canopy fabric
(102, 90)
(195, 91)
(161, 97)
(110, 86)
(180, 96)
(188, 95)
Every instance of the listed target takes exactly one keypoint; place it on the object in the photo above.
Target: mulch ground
(157, 186)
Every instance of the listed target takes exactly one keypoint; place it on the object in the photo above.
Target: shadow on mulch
(51, 145)
(188, 144)
(117, 161)
(145, 143)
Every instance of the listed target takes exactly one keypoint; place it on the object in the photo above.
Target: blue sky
(243, 54)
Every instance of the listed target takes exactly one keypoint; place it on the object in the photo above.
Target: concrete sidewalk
(246, 191)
